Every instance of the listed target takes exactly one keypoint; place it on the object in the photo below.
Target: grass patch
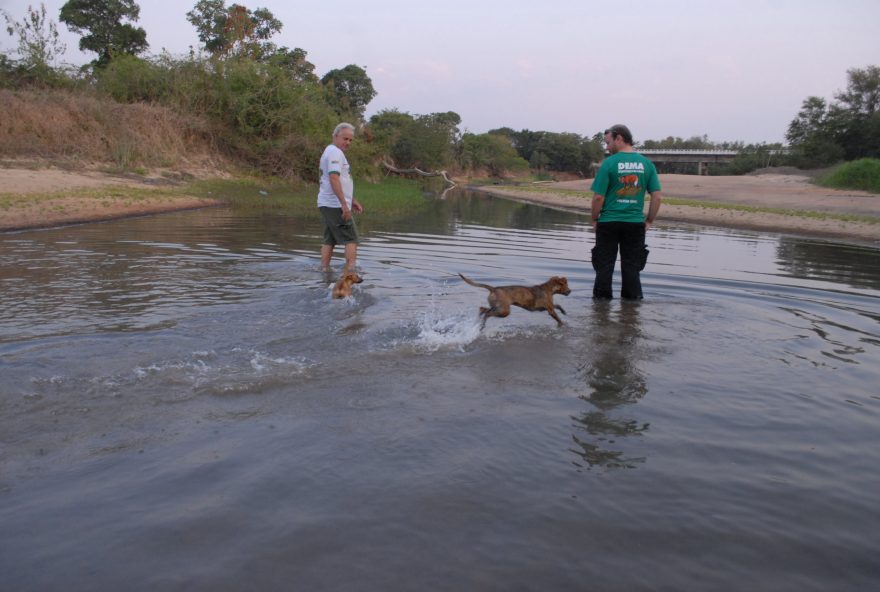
(861, 174)
(104, 194)
(388, 197)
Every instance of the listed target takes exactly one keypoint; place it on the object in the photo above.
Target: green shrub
(861, 174)
(129, 79)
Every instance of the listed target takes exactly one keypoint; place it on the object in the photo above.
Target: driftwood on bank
(443, 174)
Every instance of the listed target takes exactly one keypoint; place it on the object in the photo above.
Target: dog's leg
(493, 312)
(562, 310)
(484, 315)
(553, 314)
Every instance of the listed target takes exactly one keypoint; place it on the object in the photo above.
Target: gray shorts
(337, 231)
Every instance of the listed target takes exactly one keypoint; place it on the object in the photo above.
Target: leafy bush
(861, 174)
(257, 111)
(129, 79)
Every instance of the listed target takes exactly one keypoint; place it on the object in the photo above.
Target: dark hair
(622, 131)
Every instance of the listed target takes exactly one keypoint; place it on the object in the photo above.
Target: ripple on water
(723, 431)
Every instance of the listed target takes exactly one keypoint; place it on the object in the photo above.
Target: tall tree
(811, 120)
(234, 31)
(105, 33)
(812, 134)
(857, 114)
(349, 89)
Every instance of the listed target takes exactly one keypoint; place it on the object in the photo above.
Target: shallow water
(184, 407)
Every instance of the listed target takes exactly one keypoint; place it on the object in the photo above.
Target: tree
(422, 141)
(849, 128)
(492, 152)
(106, 34)
(525, 142)
(812, 134)
(38, 42)
(862, 95)
(856, 115)
(811, 120)
(293, 61)
(349, 90)
(539, 161)
(676, 143)
(234, 31)
(388, 126)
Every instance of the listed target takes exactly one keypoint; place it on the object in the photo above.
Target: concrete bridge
(702, 158)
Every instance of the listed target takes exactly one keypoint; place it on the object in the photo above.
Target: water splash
(239, 371)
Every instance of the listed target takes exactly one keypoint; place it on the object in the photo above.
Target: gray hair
(341, 127)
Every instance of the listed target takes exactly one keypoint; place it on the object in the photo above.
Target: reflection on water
(848, 265)
(614, 380)
(181, 395)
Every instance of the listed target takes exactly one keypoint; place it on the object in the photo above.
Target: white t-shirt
(333, 161)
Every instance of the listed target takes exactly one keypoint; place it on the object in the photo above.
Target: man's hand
(356, 206)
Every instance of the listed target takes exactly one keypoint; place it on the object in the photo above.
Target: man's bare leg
(326, 253)
(350, 256)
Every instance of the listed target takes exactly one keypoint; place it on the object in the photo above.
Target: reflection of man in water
(336, 199)
(618, 214)
(614, 380)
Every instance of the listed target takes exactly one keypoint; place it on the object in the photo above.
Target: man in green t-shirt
(618, 214)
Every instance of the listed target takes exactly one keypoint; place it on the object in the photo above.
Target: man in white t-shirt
(336, 200)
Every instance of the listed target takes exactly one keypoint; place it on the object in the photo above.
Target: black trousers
(629, 237)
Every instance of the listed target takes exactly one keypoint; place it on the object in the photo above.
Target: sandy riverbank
(38, 197)
(47, 197)
(783, 192)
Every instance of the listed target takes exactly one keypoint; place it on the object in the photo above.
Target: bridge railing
(688, 152)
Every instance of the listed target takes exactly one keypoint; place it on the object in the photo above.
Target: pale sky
(735, 70)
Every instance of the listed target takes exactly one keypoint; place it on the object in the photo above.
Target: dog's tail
(473, 283)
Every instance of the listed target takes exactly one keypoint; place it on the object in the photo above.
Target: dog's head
(559, 285)
(351, 277)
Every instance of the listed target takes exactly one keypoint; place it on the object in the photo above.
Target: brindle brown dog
(533, 298)
(342, 289)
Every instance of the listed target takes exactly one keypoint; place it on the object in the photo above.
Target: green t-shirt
(623, 179)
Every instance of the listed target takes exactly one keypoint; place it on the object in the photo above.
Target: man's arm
(596, 207)
(336, 185)
(656, 198)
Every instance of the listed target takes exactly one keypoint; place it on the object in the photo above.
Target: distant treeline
(265, 106)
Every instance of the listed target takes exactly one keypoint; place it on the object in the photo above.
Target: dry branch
(394, 169)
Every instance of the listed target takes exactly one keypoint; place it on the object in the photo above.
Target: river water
(184, 407)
